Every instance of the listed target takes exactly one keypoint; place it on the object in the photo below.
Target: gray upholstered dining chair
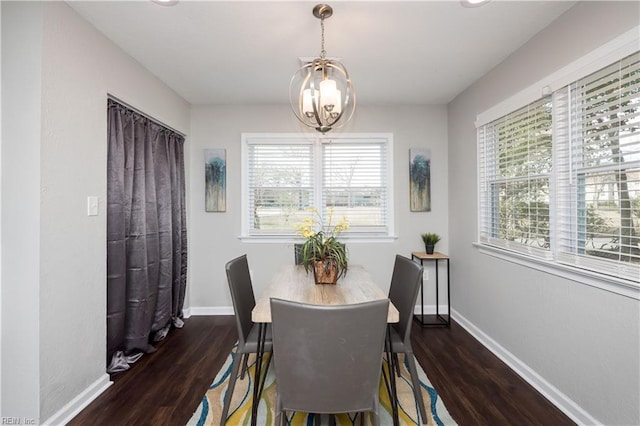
(297, 253)
(403, 292)
(243, 299)
(328, 359)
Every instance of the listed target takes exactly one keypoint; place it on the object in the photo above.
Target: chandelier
(321, 93)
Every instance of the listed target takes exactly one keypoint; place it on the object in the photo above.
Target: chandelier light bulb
(307, 102)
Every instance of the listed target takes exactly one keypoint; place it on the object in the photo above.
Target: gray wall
(21, 116)
(579, 339)
(57, 71)
(214, 236)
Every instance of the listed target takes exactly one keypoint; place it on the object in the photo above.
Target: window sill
(287, 239)
(604, 282)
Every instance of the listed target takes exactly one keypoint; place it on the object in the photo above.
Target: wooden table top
(424, 256)
(293, 283)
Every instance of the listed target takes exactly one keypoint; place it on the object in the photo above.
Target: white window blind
(355, 183)
(280, 185)
(286, 174)
(515, 162)
(598, 156)
(559, 179)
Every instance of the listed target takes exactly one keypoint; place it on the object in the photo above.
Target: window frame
(316, 141)
(609, 53)
(491, 178)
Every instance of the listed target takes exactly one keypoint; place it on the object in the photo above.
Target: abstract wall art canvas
(420, 179)
(215, 166)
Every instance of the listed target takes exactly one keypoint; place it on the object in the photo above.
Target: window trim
(610, 52)
(605, 55)
(269, 137)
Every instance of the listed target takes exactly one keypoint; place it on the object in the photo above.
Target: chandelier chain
(323, 52)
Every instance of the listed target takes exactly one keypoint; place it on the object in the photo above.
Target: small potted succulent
(430, 239)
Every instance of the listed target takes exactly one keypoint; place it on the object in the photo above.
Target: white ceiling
(238, 52)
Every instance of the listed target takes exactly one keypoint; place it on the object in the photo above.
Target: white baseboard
(228, 310)
(557, 398)
(209, 310)
(77, 404)
(431, 310)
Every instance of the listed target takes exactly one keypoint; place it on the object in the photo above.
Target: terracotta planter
(325, 272)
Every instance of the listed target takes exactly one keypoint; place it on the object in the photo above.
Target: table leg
(421, 320)
(437, 293)
(259, 379)
(422, 296)
(390, 383)
(448, 295)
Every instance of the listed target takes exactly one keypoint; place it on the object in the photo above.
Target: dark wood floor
(164, 388)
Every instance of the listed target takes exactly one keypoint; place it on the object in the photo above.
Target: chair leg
(232, 384)
(376, 412)
(280, 416)
(397, 361)
(417, 390)
(245, 365)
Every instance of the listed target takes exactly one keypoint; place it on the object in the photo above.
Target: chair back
(328, 358)
(297, 253)
(242, 295)
(403, 292)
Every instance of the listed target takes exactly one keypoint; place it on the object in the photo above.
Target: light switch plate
(92, 206)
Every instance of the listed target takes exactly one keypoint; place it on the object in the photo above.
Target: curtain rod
(120, 101)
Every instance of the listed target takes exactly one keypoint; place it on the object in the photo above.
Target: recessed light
(474, 3)
(165, 2)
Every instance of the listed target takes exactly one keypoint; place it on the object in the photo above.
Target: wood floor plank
(165, 387)
(476, 386)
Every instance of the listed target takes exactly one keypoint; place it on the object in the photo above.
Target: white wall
(21, 97)
(0, 214)
(59, 304)
(583, 342)
(214, 236)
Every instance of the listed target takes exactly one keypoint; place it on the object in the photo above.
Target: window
(599, 188)
(516, 157)
(287, 174)
(560, 178)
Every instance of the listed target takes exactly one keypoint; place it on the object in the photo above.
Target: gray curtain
(146, 233)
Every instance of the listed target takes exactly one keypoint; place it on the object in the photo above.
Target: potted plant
(321, 250)
(430, 239)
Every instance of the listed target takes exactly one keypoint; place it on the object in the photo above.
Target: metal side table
(439, 320)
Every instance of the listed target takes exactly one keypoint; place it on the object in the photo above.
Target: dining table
(294, 283)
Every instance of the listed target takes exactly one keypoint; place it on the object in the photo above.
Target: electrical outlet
(425, 275)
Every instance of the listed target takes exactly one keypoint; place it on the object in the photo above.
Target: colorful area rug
(209, 410)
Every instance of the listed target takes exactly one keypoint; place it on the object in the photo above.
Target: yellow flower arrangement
(321, 243)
